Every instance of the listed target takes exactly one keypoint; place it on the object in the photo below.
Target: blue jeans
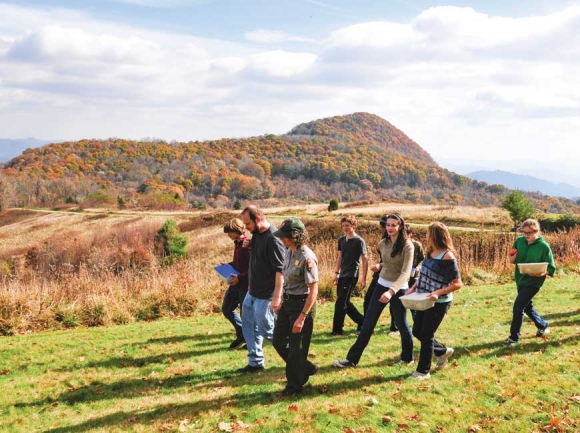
(257, 324)
(234, 298)
(523, 304)
(371, 318)
(425, 324)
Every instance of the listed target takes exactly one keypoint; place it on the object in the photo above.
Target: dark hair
(253, 212)
(408, 230)
(297, 238)
(401, 237)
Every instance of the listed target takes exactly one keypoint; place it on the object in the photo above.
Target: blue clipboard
(226, 271)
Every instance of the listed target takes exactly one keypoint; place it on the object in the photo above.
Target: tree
(519, 206)
(333, 205)
(172, 244)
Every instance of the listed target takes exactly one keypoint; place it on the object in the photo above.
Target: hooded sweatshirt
(537, 252)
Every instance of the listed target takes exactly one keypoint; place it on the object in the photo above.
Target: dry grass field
(66, 268)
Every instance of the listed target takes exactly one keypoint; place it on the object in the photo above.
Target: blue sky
(494, 84)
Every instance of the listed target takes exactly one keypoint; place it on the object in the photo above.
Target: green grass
(177, 375)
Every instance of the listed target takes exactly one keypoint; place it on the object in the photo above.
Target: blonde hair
(531, 223)
(439, 238)
(351, 219)
(234, 225)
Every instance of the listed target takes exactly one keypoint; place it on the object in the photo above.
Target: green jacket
(537, 252)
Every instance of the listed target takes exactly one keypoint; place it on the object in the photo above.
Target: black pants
(369, 296)
(343, 305)
(293, 348)
(425, 325)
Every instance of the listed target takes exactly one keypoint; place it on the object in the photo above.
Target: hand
(386, 297)
(275, 305)
(234, 280)
(298, 324)
(433, 296)
(247, 243)
(335, 281)
(363, 284)
(376, 267)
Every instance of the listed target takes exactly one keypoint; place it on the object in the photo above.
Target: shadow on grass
(237, 401)
(203, 339)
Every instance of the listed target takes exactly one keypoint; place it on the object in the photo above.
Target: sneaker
(344, 363)
(420, 376)
(401, 362)
(251, 369)
(543, 331)
(509, 342)
(442, 360)
(237, 343)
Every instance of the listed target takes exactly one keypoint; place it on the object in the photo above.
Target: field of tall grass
(106, 271)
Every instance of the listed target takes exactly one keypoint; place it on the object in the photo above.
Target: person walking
(439, 278)
(238, 285)
(397, 255)
(418, 257)
(531, 247)
(351, 258)
(296, 306)
(265, 276)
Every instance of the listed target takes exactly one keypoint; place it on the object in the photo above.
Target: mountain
(352, 157)
(11, 148)
(526, 183)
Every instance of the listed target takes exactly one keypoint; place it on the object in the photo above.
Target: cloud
(456, 80)
(164, 3)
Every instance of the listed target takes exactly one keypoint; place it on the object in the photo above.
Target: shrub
(333, 205)
(172, 244)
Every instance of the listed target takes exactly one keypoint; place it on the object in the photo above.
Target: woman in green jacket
(529, 248)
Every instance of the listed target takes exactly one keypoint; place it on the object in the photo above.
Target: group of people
(277, 287)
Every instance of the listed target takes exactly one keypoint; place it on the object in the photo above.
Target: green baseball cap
(288, 226)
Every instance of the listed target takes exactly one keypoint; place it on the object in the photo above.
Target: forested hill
(357, 156)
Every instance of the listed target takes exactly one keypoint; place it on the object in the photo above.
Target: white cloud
(457, 81)
(164, 3)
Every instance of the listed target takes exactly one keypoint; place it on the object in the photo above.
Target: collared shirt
(300, 269)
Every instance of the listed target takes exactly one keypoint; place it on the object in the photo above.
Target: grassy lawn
(178, 375)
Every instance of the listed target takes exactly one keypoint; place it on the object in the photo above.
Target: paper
(226, 272)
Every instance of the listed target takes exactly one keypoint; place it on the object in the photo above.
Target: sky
(479, 84)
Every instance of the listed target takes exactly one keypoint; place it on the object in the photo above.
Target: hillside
(526, 183)
(352, 157)
(11, 148)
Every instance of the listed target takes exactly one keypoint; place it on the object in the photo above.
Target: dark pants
(343, 305)
(234, 298)
(370, 321)
(523, 304)
(425, 325)
(293, 348)
(368, 297)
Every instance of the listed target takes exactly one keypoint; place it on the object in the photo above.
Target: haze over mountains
(11, 148)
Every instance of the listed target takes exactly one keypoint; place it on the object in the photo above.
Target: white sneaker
(420, 376)
(401, 362)
(442, 360)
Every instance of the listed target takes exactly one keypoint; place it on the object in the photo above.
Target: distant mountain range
(11, 148)
(525, 183)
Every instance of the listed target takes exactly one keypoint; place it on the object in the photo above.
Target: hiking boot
(237, 343)
(287, 392)
(420, 376)
(510, 343)
(251, 369)
(343, 364)
(542, 332)
(442, 360)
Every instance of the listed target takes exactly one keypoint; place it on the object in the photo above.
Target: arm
(337, 267)
(277, 296)
(310, 301)
(454, 286)
(365, 267)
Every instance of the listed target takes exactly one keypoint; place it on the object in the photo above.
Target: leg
(427, 323)
(393, 327)
(369, 293)
(229, 307)
(400, 315)
(534, 316)
(297, 364)
(342, 297)
(265, 318)
(369, 323)
(282, 330)
(351, 310)
(251, 335)
(525, 295)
